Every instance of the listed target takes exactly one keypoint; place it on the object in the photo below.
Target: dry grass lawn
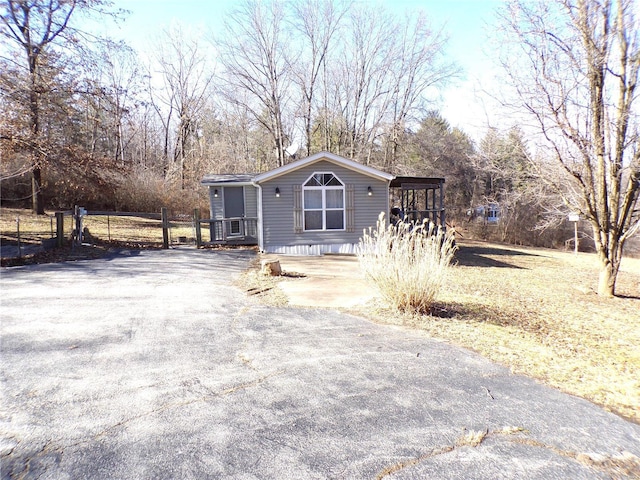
(536, 311)
(137, 230)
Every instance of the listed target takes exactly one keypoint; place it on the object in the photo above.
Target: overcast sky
(465, 22)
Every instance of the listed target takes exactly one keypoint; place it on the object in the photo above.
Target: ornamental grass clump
(407, 262)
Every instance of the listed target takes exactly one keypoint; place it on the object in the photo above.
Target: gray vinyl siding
(250, 201)
(277, 213)
(217, 204)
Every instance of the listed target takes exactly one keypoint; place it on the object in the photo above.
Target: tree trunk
(34, 112)
(607, 279)
(308, 127)
(610, 255)
(36, 191)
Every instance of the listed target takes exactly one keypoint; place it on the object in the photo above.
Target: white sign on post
(575, 217)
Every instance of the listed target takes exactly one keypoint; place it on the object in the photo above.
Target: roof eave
(345, 162)
(226, 184)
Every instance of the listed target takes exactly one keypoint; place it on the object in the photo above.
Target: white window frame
(323, 209)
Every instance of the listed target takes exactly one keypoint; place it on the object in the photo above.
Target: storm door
(234, 210)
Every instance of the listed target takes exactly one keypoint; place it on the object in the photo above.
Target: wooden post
(196, 222)
(60, 229)
(443, 220)
(165, 227)
(78, 213)
(18, 234)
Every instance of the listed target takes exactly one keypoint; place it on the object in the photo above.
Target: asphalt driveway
(153, 365)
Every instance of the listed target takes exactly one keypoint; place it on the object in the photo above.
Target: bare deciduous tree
(34, 25)
(504, 173)
(419, 65)
(575, 68)
(111, 93)
(382, 72)
(34, 28)
(365, 76)
(317, 22)
(186, 79)
(257, 74)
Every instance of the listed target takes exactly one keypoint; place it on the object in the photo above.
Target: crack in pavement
(48, 448)
(209, 396)
(623, 465)
(26, 465)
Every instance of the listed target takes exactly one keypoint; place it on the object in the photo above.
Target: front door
(234, 209)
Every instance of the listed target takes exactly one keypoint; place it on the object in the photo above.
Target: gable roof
(330, 157)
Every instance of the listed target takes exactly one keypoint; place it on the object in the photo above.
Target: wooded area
(291, 80)
(87, 120)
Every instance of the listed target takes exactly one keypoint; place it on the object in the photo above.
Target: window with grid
(323, 202)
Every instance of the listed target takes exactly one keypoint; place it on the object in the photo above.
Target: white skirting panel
(310, 250)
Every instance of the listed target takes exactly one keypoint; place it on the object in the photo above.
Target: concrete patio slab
(331, 281)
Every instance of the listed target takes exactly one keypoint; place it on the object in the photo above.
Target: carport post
(60, 229)
(165, 227)
(196, 222)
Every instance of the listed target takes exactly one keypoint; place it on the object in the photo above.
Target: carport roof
(398, 182)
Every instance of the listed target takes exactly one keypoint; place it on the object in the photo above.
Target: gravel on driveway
(152, 364)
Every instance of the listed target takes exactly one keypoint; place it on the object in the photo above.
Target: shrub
(143, 190)
(407, 262)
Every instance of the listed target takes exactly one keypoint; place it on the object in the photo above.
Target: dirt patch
(261, 286)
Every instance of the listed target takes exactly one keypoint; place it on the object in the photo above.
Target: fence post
(74, 233)
(78, 214)
(60, 229)
(196, 221)
(18, 234)
(165, 227)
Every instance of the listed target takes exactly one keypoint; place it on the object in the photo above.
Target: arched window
(323, 202)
